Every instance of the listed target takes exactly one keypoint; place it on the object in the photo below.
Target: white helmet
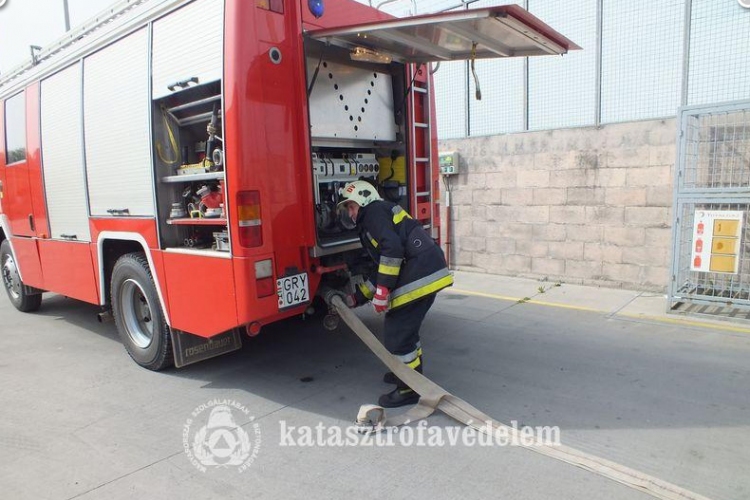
(360, 192)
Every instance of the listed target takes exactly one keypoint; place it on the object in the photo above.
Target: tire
(138, 313)
(20, 295)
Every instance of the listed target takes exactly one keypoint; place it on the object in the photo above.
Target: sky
(41, 22)
(38, 22)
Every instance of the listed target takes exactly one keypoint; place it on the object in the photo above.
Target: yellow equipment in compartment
(201, 167)
(392, 170)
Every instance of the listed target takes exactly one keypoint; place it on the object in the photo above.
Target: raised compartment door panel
(504, 31)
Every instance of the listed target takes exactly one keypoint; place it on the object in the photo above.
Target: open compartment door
(504, 31)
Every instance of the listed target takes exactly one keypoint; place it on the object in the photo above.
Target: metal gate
(712, 187)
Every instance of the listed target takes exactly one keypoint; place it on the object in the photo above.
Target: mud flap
(189, 349)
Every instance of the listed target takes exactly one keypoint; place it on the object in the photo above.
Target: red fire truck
(178, 162)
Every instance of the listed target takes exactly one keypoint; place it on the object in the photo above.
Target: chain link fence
(640, 60)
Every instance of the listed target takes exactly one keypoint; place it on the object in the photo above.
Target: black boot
(400, 396)
(391, 378)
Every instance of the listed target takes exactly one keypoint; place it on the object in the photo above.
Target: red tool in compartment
(211, 200)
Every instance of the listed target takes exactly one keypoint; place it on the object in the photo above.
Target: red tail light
(264, 278)
(248, 215)
(266, 287)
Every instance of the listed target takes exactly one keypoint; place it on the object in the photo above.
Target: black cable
(315, 75)
(393, 172)
(408, 89)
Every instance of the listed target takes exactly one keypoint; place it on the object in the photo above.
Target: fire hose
(372, 418)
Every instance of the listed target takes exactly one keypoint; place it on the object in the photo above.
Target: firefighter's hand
(380, 300)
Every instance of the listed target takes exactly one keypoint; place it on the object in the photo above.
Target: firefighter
(411, 270)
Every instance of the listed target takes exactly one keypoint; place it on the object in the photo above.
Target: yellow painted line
(687, 322)
(566, 306)
(480, 294)
(675, 321)
(530, 301)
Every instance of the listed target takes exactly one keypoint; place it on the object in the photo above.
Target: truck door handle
(183, 84)
(31, 222)
(118, 211)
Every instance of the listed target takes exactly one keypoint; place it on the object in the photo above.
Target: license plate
(293, 290)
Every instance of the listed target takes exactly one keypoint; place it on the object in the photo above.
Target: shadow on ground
(533, 364)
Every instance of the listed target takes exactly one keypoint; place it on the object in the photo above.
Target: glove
(380, 300)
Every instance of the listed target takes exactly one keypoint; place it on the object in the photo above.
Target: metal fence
(713, 177)
(717, 148)
(640, 60)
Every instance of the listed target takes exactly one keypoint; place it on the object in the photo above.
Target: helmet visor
(344, 218)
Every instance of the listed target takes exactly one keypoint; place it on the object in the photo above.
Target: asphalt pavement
(621, 379)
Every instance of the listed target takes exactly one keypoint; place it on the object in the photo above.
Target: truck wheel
(138, 313)
(18, 293)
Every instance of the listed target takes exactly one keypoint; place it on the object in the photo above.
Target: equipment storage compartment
(188, 152)
(357, 116)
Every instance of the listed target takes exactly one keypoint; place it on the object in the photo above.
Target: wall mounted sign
(716, 241)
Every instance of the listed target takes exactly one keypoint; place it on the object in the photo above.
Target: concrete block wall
(585, 205)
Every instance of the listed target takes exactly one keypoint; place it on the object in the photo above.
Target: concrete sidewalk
(611, 302)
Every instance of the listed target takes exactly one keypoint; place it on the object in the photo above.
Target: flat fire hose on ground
(433, 397)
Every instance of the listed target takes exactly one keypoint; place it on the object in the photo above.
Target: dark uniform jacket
(410, 264)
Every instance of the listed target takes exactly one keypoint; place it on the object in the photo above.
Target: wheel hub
(11, 278)
(136, 310)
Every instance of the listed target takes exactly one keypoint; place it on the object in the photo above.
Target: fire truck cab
(179, 161)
